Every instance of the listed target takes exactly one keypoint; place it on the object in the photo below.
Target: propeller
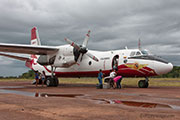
(82, 49)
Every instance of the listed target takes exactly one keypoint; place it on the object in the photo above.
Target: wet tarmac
(72, 103)
(100, 101)
(17, 92)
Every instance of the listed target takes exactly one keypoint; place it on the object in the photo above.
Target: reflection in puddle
(33, 94)
(3, 87)
(136, 104)
(17, 92)
(57, 95)
(142, 104)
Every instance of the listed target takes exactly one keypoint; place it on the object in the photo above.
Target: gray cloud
(114, 24)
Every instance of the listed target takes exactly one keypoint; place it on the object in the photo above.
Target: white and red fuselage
(131, 63)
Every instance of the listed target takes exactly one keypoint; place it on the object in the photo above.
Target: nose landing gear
(143, 83)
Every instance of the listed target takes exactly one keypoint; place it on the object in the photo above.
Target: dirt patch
(80, 103)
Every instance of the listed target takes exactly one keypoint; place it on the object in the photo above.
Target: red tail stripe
(33, 33)
(34, 56)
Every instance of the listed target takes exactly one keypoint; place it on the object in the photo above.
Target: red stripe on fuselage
(122, 70)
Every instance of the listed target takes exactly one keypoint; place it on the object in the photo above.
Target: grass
(153, 82)
(126, 81)
(14, 79)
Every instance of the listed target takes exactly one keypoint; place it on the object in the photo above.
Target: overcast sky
(114, 24)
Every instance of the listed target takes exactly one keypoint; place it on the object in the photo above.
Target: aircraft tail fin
(35, 40)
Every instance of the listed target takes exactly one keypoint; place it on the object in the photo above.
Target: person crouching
(117, 82)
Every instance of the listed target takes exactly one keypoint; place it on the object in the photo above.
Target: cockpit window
(138, 53)
(144, 52)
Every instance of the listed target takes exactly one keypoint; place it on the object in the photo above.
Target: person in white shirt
(113, 74)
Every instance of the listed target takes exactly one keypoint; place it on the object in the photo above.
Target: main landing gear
(52, 81)
(143, 83)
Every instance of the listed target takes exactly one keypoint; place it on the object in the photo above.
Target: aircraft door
(104, 64)
(115, 61)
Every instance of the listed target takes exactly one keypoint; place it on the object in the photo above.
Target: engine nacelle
(46, 60)
(64, 61)
(64, 57)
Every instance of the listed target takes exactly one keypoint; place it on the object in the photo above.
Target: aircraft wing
(27, 49)
(15, 57)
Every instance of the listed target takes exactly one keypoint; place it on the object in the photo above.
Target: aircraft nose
(163, 68)
(169, 67)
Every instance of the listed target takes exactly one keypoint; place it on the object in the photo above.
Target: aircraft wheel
(147, 85)
(49, 82)
(56, 82)
(52, 82)
(143, 84)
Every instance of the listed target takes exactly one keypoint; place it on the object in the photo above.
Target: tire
(143, 84)
(49, 82)
(56, 81)
(52, 82)
(147, 85)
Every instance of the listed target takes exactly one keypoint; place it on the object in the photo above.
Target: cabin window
(132, 53)
(90, 62)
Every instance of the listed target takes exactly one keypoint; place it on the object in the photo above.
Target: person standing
(43, 77)
(100, 76)
(36, 77)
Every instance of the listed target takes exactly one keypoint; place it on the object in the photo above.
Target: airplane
(74, 60)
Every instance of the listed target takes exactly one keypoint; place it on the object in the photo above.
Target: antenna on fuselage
(139, 44)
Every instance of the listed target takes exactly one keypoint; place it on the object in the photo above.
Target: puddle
(141, 104)
(57, 95)
(137, 104)
(3, 87)
(18, 92)
(175, 107)
(32, 94)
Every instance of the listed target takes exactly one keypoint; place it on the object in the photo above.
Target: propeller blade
(72, 43)
(85, 42)
(80, 58)
(92, 56)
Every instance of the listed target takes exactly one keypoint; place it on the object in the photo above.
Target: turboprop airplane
(75, 60)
